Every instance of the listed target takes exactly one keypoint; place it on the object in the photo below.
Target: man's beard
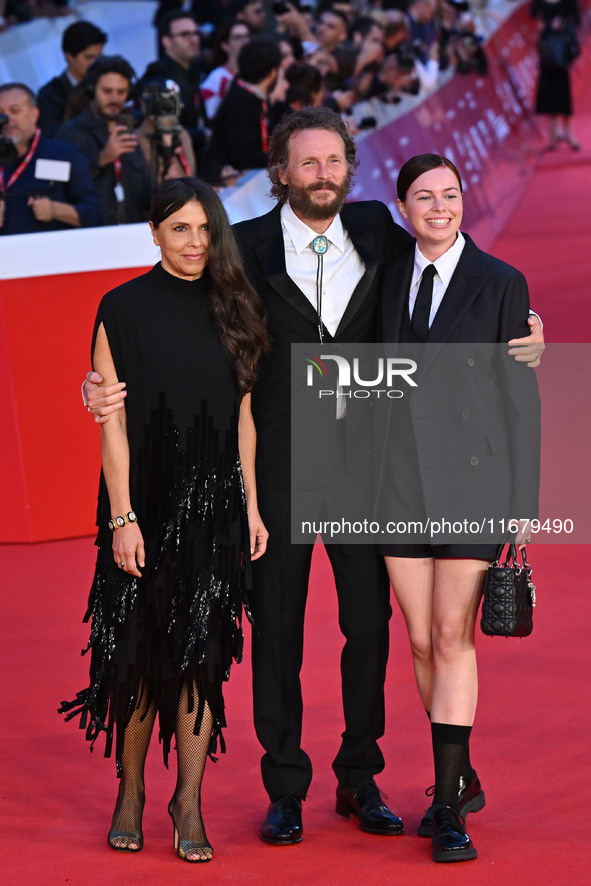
(109, 112)
(302, 202)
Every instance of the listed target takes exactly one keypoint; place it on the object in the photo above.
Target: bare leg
(554, 134)
(457, 592)
(412, 583)
(458, 588)
(126, 828)
(568, 134)
(185, 806)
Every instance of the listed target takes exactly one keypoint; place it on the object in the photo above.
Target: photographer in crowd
(180, 61)
(106, 137)
(44, 185)
(251, 12)
(409, 67)
(165, 144)
(461, 46)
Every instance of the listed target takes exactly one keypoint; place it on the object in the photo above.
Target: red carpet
(530, 745)
(530, 742)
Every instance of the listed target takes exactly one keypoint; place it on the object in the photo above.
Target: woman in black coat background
(553, 97)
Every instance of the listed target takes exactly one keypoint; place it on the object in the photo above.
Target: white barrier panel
(31, 53)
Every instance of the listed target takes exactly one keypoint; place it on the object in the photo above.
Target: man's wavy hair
(297, 121)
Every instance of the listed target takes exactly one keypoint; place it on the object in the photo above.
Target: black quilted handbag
(509, 597)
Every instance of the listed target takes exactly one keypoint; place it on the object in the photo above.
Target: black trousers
(278, 604)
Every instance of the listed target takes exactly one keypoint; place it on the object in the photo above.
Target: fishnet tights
(126, 826)
(185, 806)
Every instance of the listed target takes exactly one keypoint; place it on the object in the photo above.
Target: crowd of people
(224, 77)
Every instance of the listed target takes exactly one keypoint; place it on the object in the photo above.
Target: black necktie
(422, 309)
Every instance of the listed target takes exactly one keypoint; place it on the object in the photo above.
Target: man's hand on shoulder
(530, 348)
(102, 400)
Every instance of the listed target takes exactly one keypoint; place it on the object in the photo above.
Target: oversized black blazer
(292, 319)
(475, 414)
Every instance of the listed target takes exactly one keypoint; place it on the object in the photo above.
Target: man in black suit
(311, 160)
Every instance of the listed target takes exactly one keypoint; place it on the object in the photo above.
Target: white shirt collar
(445, 264)
(301, 235)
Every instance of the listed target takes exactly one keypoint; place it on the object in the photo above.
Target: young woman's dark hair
(237, 310)
(297, 121)
(416, 166)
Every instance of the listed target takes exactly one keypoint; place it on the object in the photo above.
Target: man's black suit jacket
(292, 319)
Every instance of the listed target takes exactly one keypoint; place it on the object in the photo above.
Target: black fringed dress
(180, 624)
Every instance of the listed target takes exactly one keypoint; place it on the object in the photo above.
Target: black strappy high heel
(185, 848)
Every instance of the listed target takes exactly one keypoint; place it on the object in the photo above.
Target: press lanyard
(23, 165)
(118, 189)
(183, 161)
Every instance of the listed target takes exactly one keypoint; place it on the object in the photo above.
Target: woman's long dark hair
(237, 310)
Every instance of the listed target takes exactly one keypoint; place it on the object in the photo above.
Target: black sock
(467, 768)
(449, 748)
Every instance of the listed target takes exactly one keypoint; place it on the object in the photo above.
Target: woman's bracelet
(120, 521)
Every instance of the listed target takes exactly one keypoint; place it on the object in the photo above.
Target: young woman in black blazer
(465, 443)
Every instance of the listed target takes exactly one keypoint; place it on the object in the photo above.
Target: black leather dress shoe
(470, 799)
(366, 803)
(449, 838)
(283, 824)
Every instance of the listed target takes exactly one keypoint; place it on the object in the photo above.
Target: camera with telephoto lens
(465, 49)
(405, 57)
(8, 153)
(162, 102)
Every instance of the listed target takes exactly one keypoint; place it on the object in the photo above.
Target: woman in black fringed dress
(553, 96)
(176, 500)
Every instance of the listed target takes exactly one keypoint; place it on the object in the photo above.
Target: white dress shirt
(445, 265)
(342, 267)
